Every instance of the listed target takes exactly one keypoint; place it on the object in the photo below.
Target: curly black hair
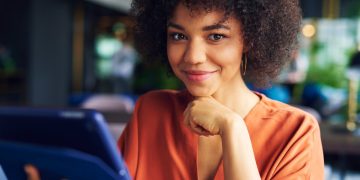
(269, 28)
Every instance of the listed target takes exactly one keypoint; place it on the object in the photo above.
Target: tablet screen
(82, 130)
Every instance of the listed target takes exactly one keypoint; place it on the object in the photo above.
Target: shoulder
(294, 140)
(288, 116)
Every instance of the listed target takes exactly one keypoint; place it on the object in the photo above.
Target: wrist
(231, 123)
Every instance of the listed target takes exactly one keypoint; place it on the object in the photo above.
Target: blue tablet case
(53, 163)
(72, 134)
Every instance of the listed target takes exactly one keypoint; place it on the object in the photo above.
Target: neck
(237, 97)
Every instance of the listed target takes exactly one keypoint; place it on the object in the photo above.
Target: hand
(206, 116)
(31, 172)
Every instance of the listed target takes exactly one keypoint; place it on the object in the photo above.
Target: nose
(195, 52)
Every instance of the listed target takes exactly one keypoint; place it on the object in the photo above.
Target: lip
(198, 75)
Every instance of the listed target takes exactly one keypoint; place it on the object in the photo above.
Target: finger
(201, 131)
(31, 172)
(194, 127)
(189, 121)
(186, 111)
(198, 129)
(187, 114)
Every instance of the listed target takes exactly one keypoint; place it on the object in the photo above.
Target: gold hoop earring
(244, 64)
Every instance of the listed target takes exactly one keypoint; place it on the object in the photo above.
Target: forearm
(238, 156)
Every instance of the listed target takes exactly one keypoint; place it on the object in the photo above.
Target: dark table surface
(337, 140)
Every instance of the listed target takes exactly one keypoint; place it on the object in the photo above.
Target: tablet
(76, 129)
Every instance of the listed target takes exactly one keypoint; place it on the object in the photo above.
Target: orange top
(157, 145)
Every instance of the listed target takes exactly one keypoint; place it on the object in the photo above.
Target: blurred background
(80, 53)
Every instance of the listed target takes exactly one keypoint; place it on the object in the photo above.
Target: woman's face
(204, 54)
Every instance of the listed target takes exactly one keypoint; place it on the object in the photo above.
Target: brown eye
(177, 36)
(216, 37)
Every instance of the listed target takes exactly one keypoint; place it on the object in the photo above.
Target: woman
(218, 128)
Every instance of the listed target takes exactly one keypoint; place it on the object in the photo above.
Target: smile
(198, 76)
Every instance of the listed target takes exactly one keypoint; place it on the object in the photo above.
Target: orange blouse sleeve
(128, 142)
(303, 156)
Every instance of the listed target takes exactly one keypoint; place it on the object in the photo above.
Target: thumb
(31, 172)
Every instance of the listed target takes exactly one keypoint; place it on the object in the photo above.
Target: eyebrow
(176, 26)
(206, 28)
(215, 26)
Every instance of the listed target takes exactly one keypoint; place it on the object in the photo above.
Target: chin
(200, 91)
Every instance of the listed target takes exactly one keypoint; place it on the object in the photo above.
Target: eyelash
(173, 36)
(211, 37)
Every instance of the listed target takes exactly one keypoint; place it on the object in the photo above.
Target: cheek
(174, 54)
(228, 57)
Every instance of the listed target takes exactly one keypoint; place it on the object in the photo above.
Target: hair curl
(269, 28)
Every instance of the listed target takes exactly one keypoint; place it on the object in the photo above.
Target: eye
(216, 37)
(177, 36)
